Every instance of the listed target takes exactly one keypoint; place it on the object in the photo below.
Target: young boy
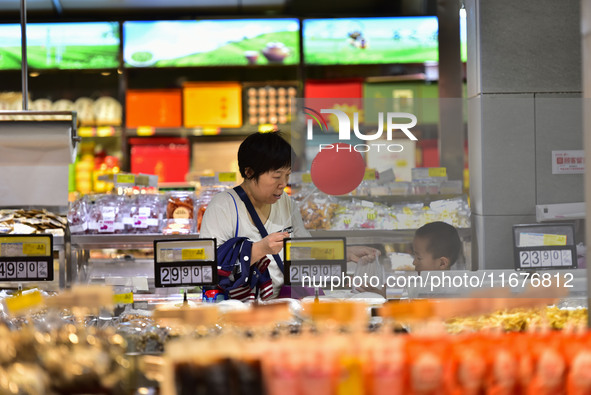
(436, 246)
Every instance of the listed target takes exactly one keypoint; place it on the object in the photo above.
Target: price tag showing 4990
(26, 258)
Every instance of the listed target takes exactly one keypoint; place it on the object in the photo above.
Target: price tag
(437, 172)
(126, 298)
(307, 178)
(322, 253)
(26, 258)
(105, 131)
(227, 177)
(210, 131)
(193, 254)
(267, 128)
(34, 249)
(544, 246)
(370, 175)
(85, 131)
(145, 131)
(125, 179)
(312, 261)
(25, 301)
(187, 262)
(554, 240)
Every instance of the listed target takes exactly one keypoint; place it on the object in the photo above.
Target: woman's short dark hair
(263, 152)
(443, 240)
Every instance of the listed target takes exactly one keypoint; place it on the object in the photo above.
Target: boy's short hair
(263, 152)
(443, 240)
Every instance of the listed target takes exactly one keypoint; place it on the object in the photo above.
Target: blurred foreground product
(520, 319)
(31, 221)
(325, 361)
(57, 350)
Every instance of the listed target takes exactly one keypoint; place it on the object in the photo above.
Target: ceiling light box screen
(239, 42)
(81, 45)
(370, 40)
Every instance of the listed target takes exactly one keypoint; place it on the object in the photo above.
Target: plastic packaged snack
(106, 214)
(78, 216)
(144, 214)
(180, 213)
(204, 199)
(317, 211)
(180, 205)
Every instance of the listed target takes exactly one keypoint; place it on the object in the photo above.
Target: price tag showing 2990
(189, 262)
(186, 275)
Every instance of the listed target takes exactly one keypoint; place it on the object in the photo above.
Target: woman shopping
(250, 222)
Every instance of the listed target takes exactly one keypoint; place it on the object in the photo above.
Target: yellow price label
(24, 301)
(227, 177)
(105, 131)
(193, 254)
(322, 253)
(266, 128)
(126, 298)
(554, 240)
(125, 179)
(30, 249)
(437, 172)
(307, 178)
(145, 131)
(209, 131)
(370, 174)
(85, 131)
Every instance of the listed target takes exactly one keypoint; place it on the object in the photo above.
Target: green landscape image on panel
(92, 45)
(211, 43)
(370, 40)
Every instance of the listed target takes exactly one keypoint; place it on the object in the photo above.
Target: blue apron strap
(237, 223)
(257, 221)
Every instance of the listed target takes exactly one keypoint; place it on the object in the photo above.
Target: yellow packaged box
(212, 104)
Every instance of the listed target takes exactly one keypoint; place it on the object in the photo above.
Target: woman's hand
(362, 254)
(271, 244)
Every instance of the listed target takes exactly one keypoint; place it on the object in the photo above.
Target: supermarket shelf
(100, 131)
(88, 242)
(394, 199)
(372, 236)
(58, 241)
(188, 132)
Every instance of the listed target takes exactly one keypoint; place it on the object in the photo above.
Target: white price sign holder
(544, 246)
(313, 260)
(26, 258)
(187, 262)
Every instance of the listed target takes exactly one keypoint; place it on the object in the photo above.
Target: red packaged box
(166, 157)
(352, 89)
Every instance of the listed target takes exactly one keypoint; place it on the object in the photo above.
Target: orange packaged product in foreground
(386, 372)
(503, 378)
(428, 364)
(469, 365)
